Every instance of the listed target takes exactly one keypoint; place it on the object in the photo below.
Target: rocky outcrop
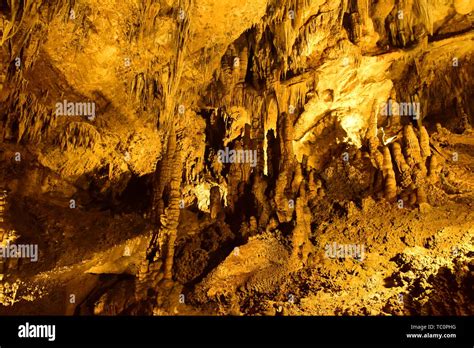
(223, 139)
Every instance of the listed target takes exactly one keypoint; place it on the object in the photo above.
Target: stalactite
(278, 89)
(171, 77)
(12, 25)
(32, 120)
(78, 134)
(423, 12)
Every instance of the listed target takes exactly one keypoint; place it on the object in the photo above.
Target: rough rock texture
(181, 157)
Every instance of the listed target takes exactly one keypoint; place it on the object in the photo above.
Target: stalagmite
(215, 202)
(402, 166)
(389, 176)
(300, 242)
(165, 214)
(230, 143)
(313, 187)
(297, 179)
(283, 209)
(412, 146)
(434, 169)
(424, 143)
(169, 220)
(421, 196)
(283, 188)
(242, 65)
(263, 206)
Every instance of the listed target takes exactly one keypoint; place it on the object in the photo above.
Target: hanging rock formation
(236, 157)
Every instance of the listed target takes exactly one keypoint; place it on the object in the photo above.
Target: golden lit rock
(260, 157)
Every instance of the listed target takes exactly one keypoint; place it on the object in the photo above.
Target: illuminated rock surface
(202, 156)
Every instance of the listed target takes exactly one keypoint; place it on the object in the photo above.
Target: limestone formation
(434, 168)
(403, 169)
(181, 157)
(389, 176)
(412, 146)
(424, 143)
(215, 202)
